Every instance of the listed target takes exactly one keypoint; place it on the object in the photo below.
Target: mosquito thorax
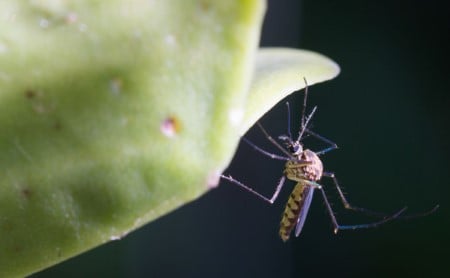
(314, 170)
(306, 166)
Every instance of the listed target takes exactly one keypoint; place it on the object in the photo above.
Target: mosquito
(304, 167)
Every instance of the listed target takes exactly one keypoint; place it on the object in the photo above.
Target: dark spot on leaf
(30, 94)
(26, 192)
(205, 6)
(170, 126)
(57, 126)
(18, 249)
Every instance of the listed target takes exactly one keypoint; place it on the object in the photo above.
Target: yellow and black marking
(293, 208)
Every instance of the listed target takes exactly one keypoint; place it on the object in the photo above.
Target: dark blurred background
(388, 111)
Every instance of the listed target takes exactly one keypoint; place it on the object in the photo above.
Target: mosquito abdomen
(292, 211)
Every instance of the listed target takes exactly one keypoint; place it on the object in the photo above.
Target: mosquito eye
(293, 149)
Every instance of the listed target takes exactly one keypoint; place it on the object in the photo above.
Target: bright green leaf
(113, 113)
(278, 73)
(109, 115)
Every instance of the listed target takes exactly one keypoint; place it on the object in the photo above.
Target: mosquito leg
(283, 150)
(341, 194)
(344, 200)
(347, 205)
(338, 227)
(332, 146)
(415, 215)
(271, 155)
(243, 186)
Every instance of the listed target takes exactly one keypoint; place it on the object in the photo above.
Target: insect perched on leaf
(305, 168)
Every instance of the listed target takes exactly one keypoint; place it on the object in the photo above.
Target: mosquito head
(294, 147)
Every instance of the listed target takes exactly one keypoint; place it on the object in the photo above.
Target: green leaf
(110, 113)
(113, 113)
(278, 73)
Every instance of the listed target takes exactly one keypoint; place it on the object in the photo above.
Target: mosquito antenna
(305, 121)
(300, 134)
(289, 120)
(304, 102)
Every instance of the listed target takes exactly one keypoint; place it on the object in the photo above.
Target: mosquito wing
(304, 208)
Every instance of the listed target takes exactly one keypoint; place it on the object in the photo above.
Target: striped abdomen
(293, 208)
